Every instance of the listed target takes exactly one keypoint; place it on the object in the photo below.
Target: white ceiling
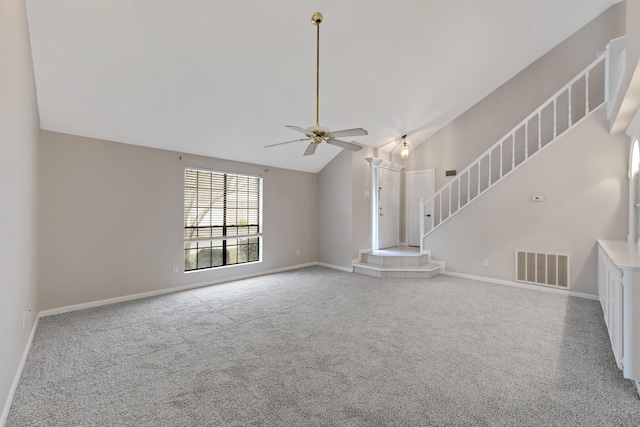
(221, 78)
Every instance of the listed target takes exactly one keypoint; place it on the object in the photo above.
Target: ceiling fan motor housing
(318, 130)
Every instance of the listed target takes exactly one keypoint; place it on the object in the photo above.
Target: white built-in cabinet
(619, 294)
(619, 261)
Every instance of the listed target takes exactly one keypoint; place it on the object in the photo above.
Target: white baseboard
(16, 378)
(132, 297)
(75, 307)
(335, 267)
(522, 285)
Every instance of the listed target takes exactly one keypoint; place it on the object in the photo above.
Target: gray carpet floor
(320, 347)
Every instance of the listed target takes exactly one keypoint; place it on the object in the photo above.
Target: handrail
(448, 187)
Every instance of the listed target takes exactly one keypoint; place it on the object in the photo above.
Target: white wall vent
(543, 268)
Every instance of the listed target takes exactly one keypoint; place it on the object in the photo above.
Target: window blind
(222, 218)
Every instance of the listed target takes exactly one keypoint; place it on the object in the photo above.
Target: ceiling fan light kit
(317, 134)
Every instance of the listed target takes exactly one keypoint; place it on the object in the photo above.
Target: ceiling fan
(316, 134)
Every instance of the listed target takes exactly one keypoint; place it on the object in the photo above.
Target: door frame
(375, 164)
(634, 169)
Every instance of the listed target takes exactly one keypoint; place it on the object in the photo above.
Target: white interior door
(418, 184)
(388, 208)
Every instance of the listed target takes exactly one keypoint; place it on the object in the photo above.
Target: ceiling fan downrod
(317, 19)
(318, 134)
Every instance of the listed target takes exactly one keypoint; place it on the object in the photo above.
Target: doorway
(385, 207)
(388, 208)
(418, 185)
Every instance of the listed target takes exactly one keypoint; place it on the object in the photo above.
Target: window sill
(222, 267)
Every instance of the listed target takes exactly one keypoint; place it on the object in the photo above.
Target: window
(222, 219)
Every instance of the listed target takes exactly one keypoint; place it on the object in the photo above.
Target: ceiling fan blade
(344, 144)
(287, 142)
(349, 132)
(311, 149)
(299, 129)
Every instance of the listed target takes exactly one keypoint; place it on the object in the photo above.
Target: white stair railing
(575, 101)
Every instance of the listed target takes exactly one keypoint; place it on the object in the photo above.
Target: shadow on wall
(586, 274)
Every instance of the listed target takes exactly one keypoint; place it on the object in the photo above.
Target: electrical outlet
(485, 263)
(175, 268)
(24, 320)
(298, 252)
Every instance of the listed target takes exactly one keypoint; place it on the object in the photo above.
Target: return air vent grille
(543, 268)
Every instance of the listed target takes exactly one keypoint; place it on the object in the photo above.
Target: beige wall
(111, 218)
(335, 189)
(361, 232)
(345, 211)
(633, 38)
(583, 177)
(460, 142)
(18, 144)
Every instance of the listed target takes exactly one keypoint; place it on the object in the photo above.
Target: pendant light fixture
(404, 153)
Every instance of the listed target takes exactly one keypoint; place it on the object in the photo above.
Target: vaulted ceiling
(221, 78)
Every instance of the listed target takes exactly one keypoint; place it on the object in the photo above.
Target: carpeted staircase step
(410, 272)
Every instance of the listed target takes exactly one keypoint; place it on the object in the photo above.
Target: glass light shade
(404, 153)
